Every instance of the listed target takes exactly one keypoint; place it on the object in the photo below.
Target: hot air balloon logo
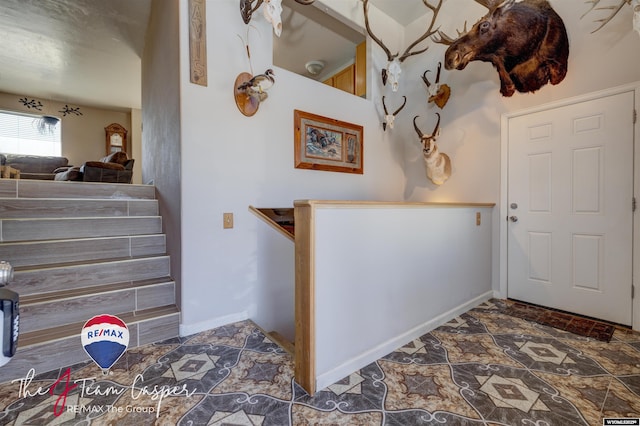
(105, 338)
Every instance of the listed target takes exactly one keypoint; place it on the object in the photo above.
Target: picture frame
(322, 143)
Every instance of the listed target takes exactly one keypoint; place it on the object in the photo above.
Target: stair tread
(19, 269)
(69, 330)
(78, 292)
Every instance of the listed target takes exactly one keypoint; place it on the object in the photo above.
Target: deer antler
(430, 31)
(247, 7)
(605, 21)
(365, 7)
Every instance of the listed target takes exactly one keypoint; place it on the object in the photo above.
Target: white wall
(229, 161)
(471, 119)
(387, 274)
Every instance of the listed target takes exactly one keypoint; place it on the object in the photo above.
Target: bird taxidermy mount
(393, 70)
(438, 93)
(249, 90)
(525, 41)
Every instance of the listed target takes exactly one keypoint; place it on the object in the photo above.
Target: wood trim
(361, 70)
(305, 338)
(271, 223)
(378, 204)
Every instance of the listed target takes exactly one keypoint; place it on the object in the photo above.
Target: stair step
(41, 350)
(26, 188)
(77, 292)
(58, 309)
(85, 275)
(80, 250)
(26, 208)
(12, 230)
(33, 253)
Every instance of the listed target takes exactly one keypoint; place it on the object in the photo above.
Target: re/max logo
(104, 332)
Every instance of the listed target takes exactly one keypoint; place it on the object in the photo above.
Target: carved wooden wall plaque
(198, 41)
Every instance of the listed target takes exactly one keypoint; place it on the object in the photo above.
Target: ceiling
(89, 51)
(84, 51)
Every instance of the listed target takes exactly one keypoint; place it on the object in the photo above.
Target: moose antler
(446, 40)
(430, 31)
(614, 9)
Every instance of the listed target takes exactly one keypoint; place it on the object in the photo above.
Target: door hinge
(635, 116)
(634, 204)
(633, 292)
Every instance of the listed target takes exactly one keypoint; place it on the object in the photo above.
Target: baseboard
(345, 369)
(189, 329)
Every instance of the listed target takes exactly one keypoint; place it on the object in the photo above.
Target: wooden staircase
(80, 250)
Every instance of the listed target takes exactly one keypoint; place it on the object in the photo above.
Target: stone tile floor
(482, 368)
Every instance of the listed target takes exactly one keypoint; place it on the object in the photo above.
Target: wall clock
(116, 136)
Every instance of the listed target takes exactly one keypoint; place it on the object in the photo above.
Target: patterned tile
(481, 368)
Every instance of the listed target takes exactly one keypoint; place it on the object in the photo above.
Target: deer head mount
(389, 119)
(393, 70)
(272, 11)
(438, 93)
(635, 5)
(437, 163)
(525, 41)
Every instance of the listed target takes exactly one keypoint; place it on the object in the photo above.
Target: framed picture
(323, 143)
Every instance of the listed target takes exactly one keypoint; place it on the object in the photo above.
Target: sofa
(114, 168)
(34, 166)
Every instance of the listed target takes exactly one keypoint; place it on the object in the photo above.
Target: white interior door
(570, 192)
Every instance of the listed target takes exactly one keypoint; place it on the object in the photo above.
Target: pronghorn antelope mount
(393, 70)
(438, 93)
(437, 163)
(389, 119)
(525, 41)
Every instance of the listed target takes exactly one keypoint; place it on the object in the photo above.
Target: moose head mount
(272, 11)
(438, 93)
(525, 41)
(393, 70)
(437, 163)
(389, 119)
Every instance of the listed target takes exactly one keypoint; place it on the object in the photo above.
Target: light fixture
(46, 124)
(314, 67)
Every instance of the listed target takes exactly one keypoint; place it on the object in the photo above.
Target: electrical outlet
(478, 219)
(227, 220)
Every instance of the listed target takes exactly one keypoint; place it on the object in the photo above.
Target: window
(19, 134)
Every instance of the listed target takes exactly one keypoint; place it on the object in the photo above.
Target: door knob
(514, 206)
(513, 218)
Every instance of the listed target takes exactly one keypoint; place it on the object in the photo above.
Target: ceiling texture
(89, 51)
